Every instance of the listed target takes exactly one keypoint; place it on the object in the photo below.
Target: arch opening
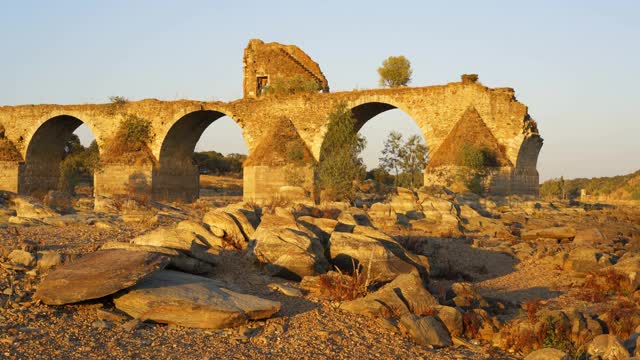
(61, 155)
(403, 165)
(201, 154)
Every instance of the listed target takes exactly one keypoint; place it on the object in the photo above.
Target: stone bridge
(39, 132)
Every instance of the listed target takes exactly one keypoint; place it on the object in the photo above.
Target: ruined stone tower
(268, 63)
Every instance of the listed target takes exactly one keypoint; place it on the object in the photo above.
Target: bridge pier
(123, 179)
(176, 183)
(10, 175)
(263, 183)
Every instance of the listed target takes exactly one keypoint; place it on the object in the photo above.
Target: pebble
(100, 324)
(131, 325)
(285, 289)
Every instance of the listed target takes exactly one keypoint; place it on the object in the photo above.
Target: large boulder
(181, 299)
(426, 330)
(629, 265)
(22, 258)
(382, 215)
(381, 256)
(97, 275)
(404, 295)
(607, 347)
(27, 209)
(179, 260)
(404, 201)
(586, 259)
(233, 234)
(547, 354)
(556, 233)
(322, 228)
(287, 250)
(246, 218)
(203, 232)
(179, 239)
(591, 237)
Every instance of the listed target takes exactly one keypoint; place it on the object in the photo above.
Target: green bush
(216, 163)
(340, 163)
(134, 131)
(78, 165)
(476, 157)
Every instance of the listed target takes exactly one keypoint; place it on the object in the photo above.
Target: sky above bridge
(576, 64)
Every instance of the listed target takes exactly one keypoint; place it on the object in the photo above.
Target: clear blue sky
(576, 64)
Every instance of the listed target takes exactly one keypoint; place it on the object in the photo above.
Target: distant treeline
(623, 187)
(215, 163)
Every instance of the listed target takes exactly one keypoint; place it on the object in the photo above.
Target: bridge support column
(262, 183)
(10, 175)
(123, 179)
(172, 183)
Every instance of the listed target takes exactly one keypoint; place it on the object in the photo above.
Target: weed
(343, 286)
(600, 286)
(472, 322)
(621, 318)
(531, 307)
(275, 201)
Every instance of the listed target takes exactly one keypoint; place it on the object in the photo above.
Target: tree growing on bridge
(395, 71)
(340, 163)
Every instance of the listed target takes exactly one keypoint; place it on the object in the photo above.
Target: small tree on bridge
(395, 71)
(340, 163)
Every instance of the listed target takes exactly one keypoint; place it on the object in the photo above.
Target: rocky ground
(437, 276)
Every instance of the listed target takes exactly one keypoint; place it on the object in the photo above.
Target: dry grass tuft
(531, 308)
(472, 323)
(622, 318)
(599, 286)
(342, 286)
(276, 201)
(8, 151)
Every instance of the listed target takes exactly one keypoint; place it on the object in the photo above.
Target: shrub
(477, 158)
(129, 144)
(340, 163)
(599, 286)
(118, 100)
(343, 286)
(8, 151)
(532, 306)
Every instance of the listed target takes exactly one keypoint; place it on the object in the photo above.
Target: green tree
(78, 165)
(395, 71)
(413, 158)
(391, 158)
(340, 163)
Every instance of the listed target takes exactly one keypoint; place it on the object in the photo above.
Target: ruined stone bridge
(444, 113)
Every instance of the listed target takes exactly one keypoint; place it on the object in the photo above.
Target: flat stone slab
(97, 275)
(172, 297)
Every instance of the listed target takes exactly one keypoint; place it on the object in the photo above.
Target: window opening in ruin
(261, 82)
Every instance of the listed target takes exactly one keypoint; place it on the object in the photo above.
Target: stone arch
(44, 151)
(528, 153)
(367, 108)
(176, 176)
